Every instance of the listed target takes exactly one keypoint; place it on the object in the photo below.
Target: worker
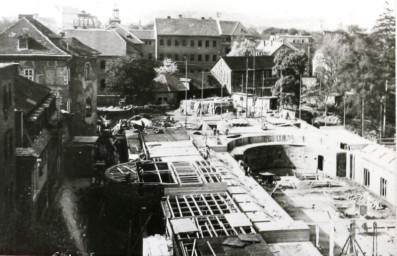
(139, 169)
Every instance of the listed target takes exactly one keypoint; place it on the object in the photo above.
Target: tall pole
(384, 112)
(344, 111)
(186, 92)
(362, 117)
(222, 100)
(246, 89)
(263, 84)
(202, 94)
(380, 122)
(300, 94)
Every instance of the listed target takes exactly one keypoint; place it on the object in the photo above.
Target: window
(161, 56)
(213, 57)
(7, 100)
(176, 57)
(207, 43)
(199, 70)
(199, 43)
(169, 55)
(87, 71)
(8, 143)
(23, 44)
(103, 64)
(28, 73)
(88, 107)
(383, 187)
(192, 57)
(366, 177)
(207, 58)
(148, 42)
(199, 57)
(103, 84)
(161, 42)
(191, 43)
(214, 43)
(183, 42)
(150, 56)
(192, 71)
(176, 42)
(169, 42)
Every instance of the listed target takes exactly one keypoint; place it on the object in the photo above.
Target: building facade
(200, 42)
(61, 63)
(7, 159)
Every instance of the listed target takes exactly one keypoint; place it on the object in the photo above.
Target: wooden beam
(209, 222)
(195, 203)
(205, 201)
(179, 207)
(187, 203)
(223, 226)
(216, 203)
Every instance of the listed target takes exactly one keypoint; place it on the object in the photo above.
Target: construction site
(227, 185)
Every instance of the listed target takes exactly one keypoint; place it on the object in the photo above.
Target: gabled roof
(269, 48)
(187, 27)
(232, 28)
(75, 47)
(29, 95)
(107, 42)
(378, 154)
(40, 41)
(125, 34)
(239, 63)
(143, 34)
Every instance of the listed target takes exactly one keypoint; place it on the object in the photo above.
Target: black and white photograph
(198, 128)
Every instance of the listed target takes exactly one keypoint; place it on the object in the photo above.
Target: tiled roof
(29, 95)
(187, 27)
(75, 47)
(125, 34)
(228, 27)
(107, 42)
(143, 34)
(269, 48)
(39, 39)
(237, 63)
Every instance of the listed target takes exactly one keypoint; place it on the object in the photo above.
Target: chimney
(169, 17)
(140, 25)
(180, 16)
(218, 15)
(203, 18)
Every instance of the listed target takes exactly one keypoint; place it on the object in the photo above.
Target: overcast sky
(305, 14)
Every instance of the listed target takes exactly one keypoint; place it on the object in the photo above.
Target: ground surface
(316, 206)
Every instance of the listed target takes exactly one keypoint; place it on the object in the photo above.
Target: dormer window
(23, 43)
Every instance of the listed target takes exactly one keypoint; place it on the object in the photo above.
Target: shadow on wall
(263, 158)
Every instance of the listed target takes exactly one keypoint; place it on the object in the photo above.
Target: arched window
(87, 71)
(88, 107)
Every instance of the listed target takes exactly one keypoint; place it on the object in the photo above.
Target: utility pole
(384, 112)
(246, 89)
(362, 117)
(300, 94)
(186, 91)
(202, 94)
(344, 111)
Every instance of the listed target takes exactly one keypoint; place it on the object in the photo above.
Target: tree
(130, 75)
(5, 23)
(289, 66)
(168, 67)
(243, 48)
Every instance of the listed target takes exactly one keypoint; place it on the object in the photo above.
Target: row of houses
(30, 153)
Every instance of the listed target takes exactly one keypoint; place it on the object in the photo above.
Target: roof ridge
(46, 37)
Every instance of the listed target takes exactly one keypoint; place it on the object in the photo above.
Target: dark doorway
(341, 164)
(320, 162)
